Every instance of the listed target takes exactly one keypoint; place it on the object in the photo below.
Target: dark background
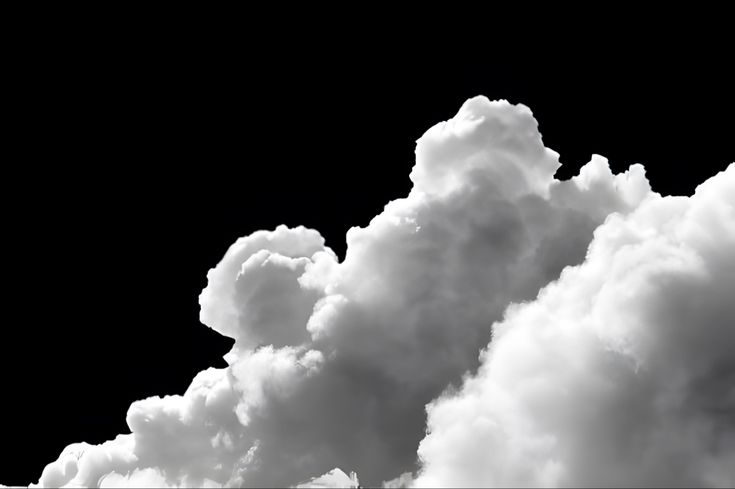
(135, 159)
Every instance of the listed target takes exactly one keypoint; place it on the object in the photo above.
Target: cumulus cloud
(334, 362)
(333, 478)
(620, 373)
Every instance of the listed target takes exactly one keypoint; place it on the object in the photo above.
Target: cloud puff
(333, 478)
(621, 373)
(254, 296)
(334, 362)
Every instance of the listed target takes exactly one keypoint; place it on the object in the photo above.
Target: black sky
(137, 160)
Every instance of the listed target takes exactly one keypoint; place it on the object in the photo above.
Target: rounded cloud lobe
(334, 362)
(619, 374)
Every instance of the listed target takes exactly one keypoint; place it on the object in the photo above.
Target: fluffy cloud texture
(615, 371)
(621, 373)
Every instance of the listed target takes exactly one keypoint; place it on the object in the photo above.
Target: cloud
(620, 373)
(333, 478)
(334, 362)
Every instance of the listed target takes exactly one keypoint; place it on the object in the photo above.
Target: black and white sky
(324, 276)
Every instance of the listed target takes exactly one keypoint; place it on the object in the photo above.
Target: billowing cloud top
(614, 372)
(619, 373)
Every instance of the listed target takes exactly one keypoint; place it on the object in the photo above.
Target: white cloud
(334, 362)
(334, 478)
(621, 373)
(254, 296)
